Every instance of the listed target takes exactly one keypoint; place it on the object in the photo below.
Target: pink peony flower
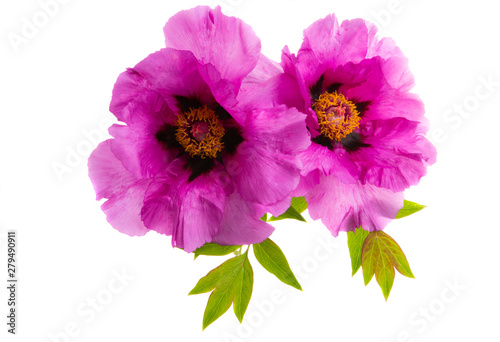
(367, 130)
(190, 161)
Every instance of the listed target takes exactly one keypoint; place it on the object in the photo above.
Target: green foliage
(409, 208)
(355, 243)
(297, 206)
(273, 260)
(380, 255)
(230, 283)
(214, 249)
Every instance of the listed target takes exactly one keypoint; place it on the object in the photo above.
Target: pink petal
(107, 173)
(396, 64)
(172, 73)
(366, 81)
(227, 43)
(394, 103)
(265, 167)
(278, 90)
(124, 191)
(344, 207)
(240, 225)
(318, 157)
(128, 86)
(140, 152)
(189, 211)
(321, 39)
(397, 157)
(353, 41)
(123, 211)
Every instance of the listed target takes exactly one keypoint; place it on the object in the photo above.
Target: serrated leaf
(232, 283)
(409, 208)
(214, 249)
(270, 256)
(380, 255)
(297, 206)
(355, 242)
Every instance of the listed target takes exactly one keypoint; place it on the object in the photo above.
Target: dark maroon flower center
(202, 135)
(200, 132)
(338, 117)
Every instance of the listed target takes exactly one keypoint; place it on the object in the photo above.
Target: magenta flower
(190, 161)
(366, 128)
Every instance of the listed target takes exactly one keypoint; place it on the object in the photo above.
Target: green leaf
(355, 243)
(244, 290)
(409, 208)
(299, 203)
(297, 206)
(379, 256)
(264, 218)
(290, 213)
(273, 260)
(232, 283)
(220, 275)
(214, 249)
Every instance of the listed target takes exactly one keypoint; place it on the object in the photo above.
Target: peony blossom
(367, 129)
(189, 160)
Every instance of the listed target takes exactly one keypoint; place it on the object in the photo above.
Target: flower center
(337, 116)
(200, 132)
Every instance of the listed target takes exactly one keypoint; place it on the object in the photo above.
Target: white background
(56, 89)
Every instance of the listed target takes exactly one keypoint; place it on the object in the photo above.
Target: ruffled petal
(353, 42)
(189, 211)
(395, 66)
(307, 183)
(289, 65)
(241, 225)
(385, 47)
(227, 43)
(322, 40)
(275, 209)
(345, 207)
(327, 45)
(123, 211)
(124, 191)
(265, 87)
(398, 74)
(394, 103)
(140, 152)
(336, 161)
(363, 81)
(265, 167)
(129, 85)
(107, 173)
(308, 65)
(265, 69)
(281, 89)
(367, 82)
(397, 157)
(303, 101)
(223, 90)
(171, 73)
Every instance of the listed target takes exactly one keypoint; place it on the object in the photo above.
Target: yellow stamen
(206, 144)
(337, 116)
